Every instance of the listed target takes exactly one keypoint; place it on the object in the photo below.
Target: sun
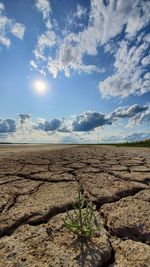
(40, 86)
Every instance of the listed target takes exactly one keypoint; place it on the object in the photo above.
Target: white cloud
(147, 76)
(69, 58)
(5, 41)
(2, 8)
(33, 64)
(127, 112)
(129, 137)
(24, 118)
(45, 40)
(7, 26)
(137, 137)
(89, 120)
(129, 72)
(147, 38)
(146, 60)
(106, 21)
(43, 6)
(141, 118)
(81, 11)
(7, 126)
(17, 30)
(83, 127)
(139, 16)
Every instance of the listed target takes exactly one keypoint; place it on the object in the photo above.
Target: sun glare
(40, 86)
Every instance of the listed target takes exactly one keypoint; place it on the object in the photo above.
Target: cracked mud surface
(36, 188)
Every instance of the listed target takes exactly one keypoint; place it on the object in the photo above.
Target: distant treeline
(143, 143)
(5, 143)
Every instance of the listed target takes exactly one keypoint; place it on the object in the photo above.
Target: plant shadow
(89, 252)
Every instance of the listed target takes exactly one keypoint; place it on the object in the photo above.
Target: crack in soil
(36, 218)
(16, 195)
(8, 182)
(145, 180)
(26, 177)
(135, 237)
(130, 193)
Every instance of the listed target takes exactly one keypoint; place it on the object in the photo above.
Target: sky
(74, 71)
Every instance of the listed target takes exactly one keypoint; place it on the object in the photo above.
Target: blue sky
(74, 71)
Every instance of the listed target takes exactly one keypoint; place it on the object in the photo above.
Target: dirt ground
(38, 183)
(6, 150)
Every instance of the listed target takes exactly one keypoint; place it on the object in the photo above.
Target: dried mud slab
(128, 218)
(31, 159)
(20, 187)
(143, 177)
(8, 179)
(132, 162)
(103, 188)
(52, 245)
(27, 169)
(90, 170)
(49, 177)
(143, 195)
(130, 253)
(39, 206)
(140, 169)
(4, 200)
(37, 186)
(15, 188)
(10, 168)
(119, 168)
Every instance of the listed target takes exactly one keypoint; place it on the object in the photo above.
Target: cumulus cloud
(43, 6)
(106, 20)
(23, 125)
(127, 112)
(81, 11)
(146, 60)
(129, 72)
(69, 58)
(145, 117)
(112, 139)
(83, 127)
(24, 118)
(135, 114)
(17, 30)
(33, 64)
(45, 40)
(7, 126)
(88, 121)
(141, 118)
(110, 17)
(137, 137)
(121, 138)
(46, 126)
(7, 26)
(2, 7)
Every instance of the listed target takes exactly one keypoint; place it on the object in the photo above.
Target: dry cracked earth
(37, 187)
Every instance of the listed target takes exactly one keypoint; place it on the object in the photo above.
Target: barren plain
(39, 183)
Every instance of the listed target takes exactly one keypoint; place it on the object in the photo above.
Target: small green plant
(82, 221)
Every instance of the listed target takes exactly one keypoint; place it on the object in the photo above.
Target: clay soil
(38, 183)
